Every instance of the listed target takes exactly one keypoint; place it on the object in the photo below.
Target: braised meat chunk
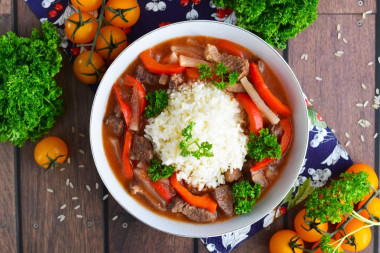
(178, 205)
(141, 149)
(276, 130)
(115, 124)
(225, 199)
(233, 63)
(144, 76)
(175, 80)
(232, 175)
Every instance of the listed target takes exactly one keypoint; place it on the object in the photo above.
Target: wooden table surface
(28, 213)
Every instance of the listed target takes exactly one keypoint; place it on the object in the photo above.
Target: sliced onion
(185, 61)
(135, 109)
(188, 51)
(164, 79)
(173, 58)
(267, 113)
(194, 43)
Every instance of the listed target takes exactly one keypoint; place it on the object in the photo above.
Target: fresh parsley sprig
(204, 148)
(221, 72)
(245, 196)
(157, 101)
(156, 170)
(263, 146)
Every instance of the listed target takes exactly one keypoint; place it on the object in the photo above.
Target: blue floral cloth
(325, 157)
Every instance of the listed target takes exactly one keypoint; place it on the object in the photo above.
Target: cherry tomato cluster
(293, 241)
(54, 12)
(107, 42)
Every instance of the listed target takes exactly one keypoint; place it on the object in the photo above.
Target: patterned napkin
(325, 157)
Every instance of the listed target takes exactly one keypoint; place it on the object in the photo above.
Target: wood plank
(8, 219)
(8, 233)
(344, 6)
(128, 234)
(335, 97)
(41, 230)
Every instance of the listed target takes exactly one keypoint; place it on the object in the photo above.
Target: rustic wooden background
(28, 213)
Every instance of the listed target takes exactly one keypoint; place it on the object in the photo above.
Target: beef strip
(146, 77)
(137, 189)
(225, 199)
(141, 149)
(232, 175)
(276, 130)
(175, 80)
(115, 124)
(232, 62)
(178, 205)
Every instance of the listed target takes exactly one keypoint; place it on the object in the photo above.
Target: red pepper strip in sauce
(163, 190)
(229, 47)
(273, 102)
(285, 140)
(204, 201)
(138, 89)
(192, 73)
(125, 108)
(254, 114)
(127, 166)
(155, 67)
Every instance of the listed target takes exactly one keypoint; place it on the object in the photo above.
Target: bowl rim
(110, 188)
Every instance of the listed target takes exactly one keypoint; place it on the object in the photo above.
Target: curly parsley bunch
(29, 96)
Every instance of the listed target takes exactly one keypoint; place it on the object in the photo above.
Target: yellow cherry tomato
(111, 42)
(128, 9)
(91, 73)
(79, 30)
(362, 237)
(373, 207)
(86, 5)
(50, 152)
(279, 242)
(303, 229)
(372, 176)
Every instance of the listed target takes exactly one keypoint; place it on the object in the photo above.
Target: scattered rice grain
(115, 218)
(79, 216)
(71, 185)
(347, 143)
(338, 27)
(377, 91)
(62, 169)
(62, 218)
(311, 100)
(364, 86)
(302, 56)
(67, 182)
(362, 138)
(359, 104)
(74, 198)
(77, 207)
(68, 160)
(318, 78)
(306, 57)
(368, 12)
(375, 135)
(88, 187)
(63, 206)
(105, 197)
(339, 36)
(332, 130)
(73, 129)
(378, 59)
(347, 135)
(370, 63)
(81, 166)
(364, 15)
(50, 190)
(365, 103)
(96, 186)
(345, 41)
(82, 135)
(81, 151)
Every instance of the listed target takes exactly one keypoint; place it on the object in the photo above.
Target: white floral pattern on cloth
(325, 157)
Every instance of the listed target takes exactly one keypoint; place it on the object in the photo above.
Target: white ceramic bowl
(261, 49)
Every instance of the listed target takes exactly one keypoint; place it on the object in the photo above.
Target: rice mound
(218, 120)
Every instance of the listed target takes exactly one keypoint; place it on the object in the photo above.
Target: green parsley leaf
(204, 148)
(30, 99)
(156, 170)
(157, 101)
(221, 71)
(263, 146)
(245, 196)
(333, 202)
(325, 245)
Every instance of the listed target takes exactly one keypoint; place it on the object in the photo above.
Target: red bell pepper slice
(204, 201)
(229, 47)
(192, 73)
(284, 143)
(139, 89)
(127, 166)
(163, 190)
(125, 108)
(254, 114)
(155, 67)
(272, 101)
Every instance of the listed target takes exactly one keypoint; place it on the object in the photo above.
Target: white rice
(218, 120)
